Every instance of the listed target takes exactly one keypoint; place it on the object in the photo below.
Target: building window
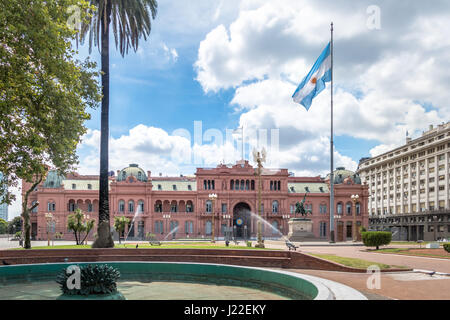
(35, 209)
(90, 207)
(89, 186)
(339, 208)
(72, 206)
(159, 187)
(275, 206)
(141, 206)
(74, 186)
(323, 208)
(323, 229)
(189, 227)
(51, 206)
(173, 207)
(189, 207)
(208, 206)
(348, 208)
(358, 208)
(189, 187)
(208, 227)
(224, 208)
(174, 187)
(158, 207)
(159, 227)
(131, 206)
(121, 206)
(275, 227)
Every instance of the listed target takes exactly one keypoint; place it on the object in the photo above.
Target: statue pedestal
(300, 229)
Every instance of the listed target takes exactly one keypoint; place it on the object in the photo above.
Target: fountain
(171, 232)
(132, 222)
(265, 222)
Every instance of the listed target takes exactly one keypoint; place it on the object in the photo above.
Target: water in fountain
(268, 224)
(132, 222)
(171, 232)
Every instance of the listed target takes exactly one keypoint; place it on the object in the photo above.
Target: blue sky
(237, 62)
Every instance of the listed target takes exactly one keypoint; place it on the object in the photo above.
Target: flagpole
(242, 142)
(332, 240)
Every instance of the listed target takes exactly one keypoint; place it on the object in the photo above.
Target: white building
(409, 187)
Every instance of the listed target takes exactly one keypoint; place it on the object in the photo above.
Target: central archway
(242, 221)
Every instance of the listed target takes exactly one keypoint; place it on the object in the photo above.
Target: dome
(340, 174)
(132, 170)
(53, 179)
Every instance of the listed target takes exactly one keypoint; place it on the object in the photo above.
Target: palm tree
(131, 19)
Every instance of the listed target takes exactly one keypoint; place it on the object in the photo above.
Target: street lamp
(213, 198)
(355, 199)
(259, 158)
(285, 217)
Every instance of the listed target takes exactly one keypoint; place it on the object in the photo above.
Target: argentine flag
(314, 82)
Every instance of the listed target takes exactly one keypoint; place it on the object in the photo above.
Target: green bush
(376, 238)
(447, 247)
(95, 279)
(249, 244)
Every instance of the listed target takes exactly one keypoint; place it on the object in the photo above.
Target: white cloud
(387, 82)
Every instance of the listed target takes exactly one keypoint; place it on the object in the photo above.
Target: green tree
(131, 20)
(120, 224)
(3, 226)
(80, 224)
(15, 225)
(44, 94)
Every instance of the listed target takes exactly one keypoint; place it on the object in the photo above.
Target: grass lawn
(432, 253)
(190, 245)
(353, 262)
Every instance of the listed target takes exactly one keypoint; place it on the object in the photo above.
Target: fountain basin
(284, 284)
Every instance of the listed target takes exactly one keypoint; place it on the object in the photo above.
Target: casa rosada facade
(181, 207)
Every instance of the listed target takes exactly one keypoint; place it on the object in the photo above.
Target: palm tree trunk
(104, 239)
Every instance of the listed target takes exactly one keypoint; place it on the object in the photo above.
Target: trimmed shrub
(447, 247)
(376, 238)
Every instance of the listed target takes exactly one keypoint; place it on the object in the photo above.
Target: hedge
(376, 238)
(447, 247)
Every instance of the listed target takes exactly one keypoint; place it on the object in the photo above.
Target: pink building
(162, 204)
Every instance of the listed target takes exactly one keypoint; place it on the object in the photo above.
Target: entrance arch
(242, 220)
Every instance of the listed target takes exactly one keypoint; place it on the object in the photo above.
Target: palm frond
(130, 20)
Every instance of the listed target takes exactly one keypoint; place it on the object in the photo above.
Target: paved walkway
(402, 286)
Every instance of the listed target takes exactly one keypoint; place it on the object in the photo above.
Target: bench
(290, 246)
(154, 243)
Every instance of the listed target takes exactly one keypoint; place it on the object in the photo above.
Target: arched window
(279, 185)
(158, 206)
(275, 206)
(141, 206)
(131, 206)
(208, 206)
(231, 184)
(139, 175)
(189, 207)
(253, 184)
(339, 208)
(348, 208)
(174, 206)
(242, 184)
(247, 184)
(121, 206)
(236, 185)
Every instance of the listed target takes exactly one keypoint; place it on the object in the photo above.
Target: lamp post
(259, 158)
(213, 198)
(285, 217)
(355, 198)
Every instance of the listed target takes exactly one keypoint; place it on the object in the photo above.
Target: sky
(212, 66)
